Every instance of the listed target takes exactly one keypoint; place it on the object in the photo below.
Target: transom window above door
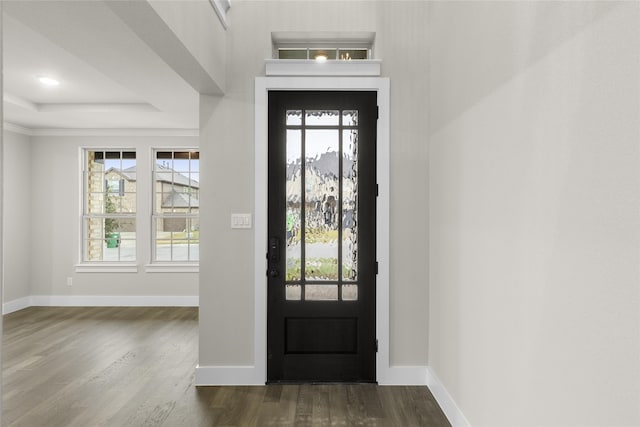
(324, 53)
(323, 46)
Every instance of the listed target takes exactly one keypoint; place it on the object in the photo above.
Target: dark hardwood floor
(117, 366)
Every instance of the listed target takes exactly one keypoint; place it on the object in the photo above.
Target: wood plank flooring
(117, 366)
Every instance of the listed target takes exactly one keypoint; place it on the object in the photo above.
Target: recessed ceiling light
(48, 81)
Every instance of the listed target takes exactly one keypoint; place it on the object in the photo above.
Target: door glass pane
(322, 118)
(294, 203)
(294, 117)
(293, 292)
(321, 204)
(322, 201)
(350, 118)
(321, 292)
(349, 292)
(350, 204)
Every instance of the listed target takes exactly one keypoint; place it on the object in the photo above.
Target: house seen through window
(176, 206)
(109, 206)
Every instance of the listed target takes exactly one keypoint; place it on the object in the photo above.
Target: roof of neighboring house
(163, 174)
(176, 199)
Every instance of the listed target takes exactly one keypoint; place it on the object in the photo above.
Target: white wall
(401, 43)
(534, 201)
(55, 230)
(197, 26)
(1, 201)
(16, 216)
(226, 279)
(187, 35)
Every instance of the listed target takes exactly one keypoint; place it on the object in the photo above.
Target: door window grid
(176, 205)
(109, 206)
(323, 224)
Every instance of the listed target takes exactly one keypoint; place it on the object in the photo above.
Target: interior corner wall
(201, 32)
(16, 216)
(54, 167)
(534, 201)
(227, 144)
(402, 45)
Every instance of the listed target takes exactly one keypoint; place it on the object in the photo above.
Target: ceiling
(109, 78)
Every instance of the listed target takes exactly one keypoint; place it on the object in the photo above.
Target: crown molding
(54, 107)
(99, 132)
(17, 129)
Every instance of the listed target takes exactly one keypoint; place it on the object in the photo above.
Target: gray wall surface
(17, 216)
(227, 141)
(52, 253)
(534, 201)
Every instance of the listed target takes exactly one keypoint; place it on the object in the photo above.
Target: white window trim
(172, 268)
(106, 267)
(100, 266)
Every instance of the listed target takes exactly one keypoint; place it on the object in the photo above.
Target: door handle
(274, 249)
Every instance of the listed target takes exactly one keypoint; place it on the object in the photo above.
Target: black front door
(322, 221)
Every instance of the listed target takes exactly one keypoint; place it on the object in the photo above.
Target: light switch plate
(240, 220)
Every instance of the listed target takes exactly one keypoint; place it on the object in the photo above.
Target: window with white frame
(343, 46)
(109, 206)
(176, 206)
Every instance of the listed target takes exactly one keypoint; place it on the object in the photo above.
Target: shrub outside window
(109, 206)
(176, 206)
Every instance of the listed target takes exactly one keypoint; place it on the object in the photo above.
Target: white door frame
(384, 372)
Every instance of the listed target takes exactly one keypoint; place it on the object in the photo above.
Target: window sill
(106, 268)
(172, 268)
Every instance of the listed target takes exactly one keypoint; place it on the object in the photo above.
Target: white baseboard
(250, 375)
(16, 305)
(403, 375)
(100, 301)
(227, 375)
(446, 402)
